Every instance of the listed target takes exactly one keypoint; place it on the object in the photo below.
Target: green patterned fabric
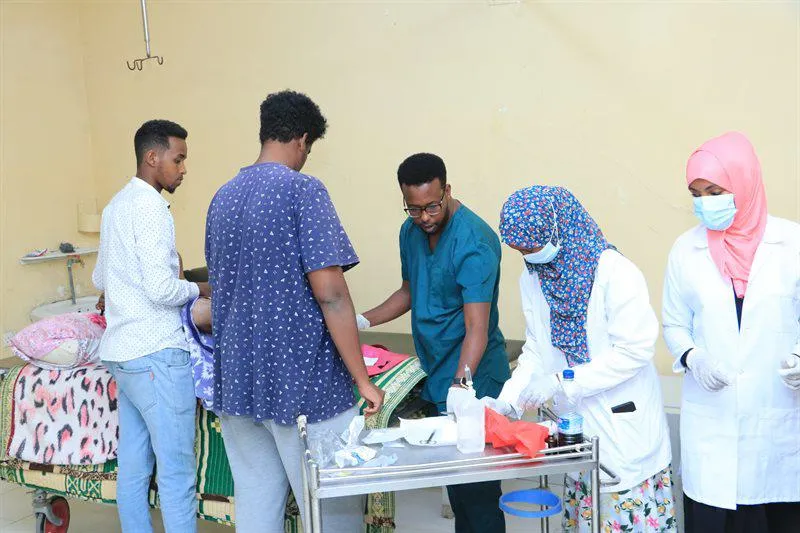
(97, 483)
(6, 408)
(214, 479)
(396, 383)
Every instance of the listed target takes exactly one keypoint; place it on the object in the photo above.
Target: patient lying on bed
(196, 318)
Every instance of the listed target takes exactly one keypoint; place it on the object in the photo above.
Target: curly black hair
(421, 168)
(287, 115)
(155, 133)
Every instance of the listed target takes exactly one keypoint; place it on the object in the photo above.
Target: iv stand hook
(139, 63)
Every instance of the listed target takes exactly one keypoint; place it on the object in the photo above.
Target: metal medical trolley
(421, 467)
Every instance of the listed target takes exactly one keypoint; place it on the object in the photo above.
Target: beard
(171, 188)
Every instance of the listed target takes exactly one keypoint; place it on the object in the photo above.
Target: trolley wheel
(60, 509)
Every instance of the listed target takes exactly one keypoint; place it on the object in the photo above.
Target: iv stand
(139, 63)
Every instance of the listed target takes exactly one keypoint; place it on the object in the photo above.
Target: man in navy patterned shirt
(283, 321)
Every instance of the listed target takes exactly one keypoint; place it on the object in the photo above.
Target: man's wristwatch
(459, 382)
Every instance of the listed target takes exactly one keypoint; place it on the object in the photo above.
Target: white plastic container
(471, 426)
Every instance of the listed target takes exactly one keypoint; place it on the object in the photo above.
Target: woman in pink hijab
(732, 321)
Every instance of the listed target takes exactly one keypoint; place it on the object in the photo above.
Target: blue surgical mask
(550, 250)
(715, 212)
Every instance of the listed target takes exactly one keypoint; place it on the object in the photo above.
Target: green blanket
(214, 482)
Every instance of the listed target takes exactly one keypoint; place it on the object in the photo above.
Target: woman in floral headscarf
(587, 308)
(732, 322)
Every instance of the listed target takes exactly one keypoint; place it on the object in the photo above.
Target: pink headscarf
(731, 162)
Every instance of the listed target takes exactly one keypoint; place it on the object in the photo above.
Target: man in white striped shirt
(144, 346)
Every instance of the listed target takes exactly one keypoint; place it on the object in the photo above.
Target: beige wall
(45, 153)
(608, 99)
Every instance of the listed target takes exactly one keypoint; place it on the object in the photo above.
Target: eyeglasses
(431, 209)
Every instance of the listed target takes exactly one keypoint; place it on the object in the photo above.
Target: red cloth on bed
(386, 360)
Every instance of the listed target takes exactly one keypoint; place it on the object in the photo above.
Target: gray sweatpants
(265, 460)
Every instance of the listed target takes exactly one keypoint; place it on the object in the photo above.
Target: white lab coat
(741, 444)
(621, 332)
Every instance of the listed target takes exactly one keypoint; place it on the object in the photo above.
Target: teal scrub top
(463, 268)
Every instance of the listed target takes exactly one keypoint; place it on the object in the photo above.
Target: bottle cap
(568, 374)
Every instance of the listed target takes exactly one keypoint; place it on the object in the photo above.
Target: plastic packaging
(353, 432)
(327, 445)
(354, 456)
(570, 421)
(470, 425)
(430, 431)
(383, 435)
(324, 445)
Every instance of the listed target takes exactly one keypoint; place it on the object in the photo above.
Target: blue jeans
(156, 426)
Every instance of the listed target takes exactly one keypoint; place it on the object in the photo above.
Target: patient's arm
(201, 314)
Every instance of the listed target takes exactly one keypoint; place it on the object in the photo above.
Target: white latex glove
(541, 388)
(711, 374)
(499, 406)
(790, 371)
(456, 396)
(362, 323)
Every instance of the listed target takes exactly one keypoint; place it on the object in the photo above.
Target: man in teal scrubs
(451, 274)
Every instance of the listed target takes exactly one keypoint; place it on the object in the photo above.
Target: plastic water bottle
(570, 421)
(470, 426)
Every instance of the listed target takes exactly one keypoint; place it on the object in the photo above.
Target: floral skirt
(646, 508)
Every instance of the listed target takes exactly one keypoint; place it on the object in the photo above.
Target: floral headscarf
(527, 221)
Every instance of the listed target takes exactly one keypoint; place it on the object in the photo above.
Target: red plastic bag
(528, 438)
(499, 432)
(532, 438)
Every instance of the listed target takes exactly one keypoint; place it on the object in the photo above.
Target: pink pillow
(60, 342)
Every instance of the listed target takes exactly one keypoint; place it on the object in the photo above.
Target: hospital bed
(52, 484)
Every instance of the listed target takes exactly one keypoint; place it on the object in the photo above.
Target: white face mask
(545, 255)
(715, 212)
(550, 250)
